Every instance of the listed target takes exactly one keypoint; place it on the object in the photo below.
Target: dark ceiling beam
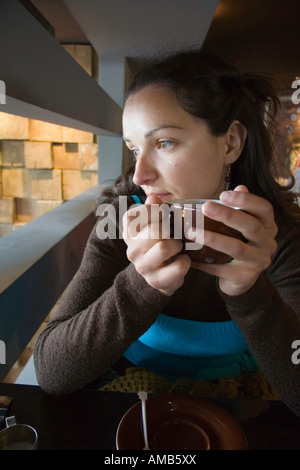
(44, 82)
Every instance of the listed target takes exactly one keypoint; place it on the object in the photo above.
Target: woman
(197, 128)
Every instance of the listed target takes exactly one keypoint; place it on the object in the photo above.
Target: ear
(235, 138)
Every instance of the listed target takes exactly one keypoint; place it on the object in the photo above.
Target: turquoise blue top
(175, 348)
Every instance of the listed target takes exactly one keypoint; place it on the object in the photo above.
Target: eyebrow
(156, 129)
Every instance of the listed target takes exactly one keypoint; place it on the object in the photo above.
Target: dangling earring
(228, 178)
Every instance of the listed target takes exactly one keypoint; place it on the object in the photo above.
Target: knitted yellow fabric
(248, 385)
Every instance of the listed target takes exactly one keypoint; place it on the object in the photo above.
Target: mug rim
(12, 429)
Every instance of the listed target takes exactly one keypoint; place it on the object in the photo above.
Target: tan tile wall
(42, 164)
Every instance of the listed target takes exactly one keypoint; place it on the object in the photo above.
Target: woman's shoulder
(286, 259)
(289, 230)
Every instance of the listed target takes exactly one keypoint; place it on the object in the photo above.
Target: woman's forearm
(77, 346)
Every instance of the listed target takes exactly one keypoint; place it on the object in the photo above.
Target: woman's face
(176, 156)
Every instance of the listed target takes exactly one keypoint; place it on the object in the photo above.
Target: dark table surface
(88, 419)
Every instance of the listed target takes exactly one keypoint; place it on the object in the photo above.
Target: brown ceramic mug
(187, 213)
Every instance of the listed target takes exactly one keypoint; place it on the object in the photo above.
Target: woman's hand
(158, 260)
(256, 223)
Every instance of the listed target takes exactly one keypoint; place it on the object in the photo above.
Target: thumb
(242, 188)
(153, 200)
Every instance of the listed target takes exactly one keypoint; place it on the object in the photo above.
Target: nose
(144, 172)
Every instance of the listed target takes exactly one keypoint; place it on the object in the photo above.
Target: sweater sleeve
(269, 318)
(105, 308)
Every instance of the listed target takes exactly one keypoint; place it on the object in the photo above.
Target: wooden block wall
(13, 127)
(83, 54)
(43, 164)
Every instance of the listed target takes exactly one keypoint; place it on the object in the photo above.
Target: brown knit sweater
(108, 305)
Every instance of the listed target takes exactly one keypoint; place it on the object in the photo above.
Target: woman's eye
(165, 144)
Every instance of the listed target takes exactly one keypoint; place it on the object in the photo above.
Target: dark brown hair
(218, 93)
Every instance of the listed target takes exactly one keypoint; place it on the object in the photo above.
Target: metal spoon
(143, 396)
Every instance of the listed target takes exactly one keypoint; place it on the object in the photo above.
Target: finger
(229, 273)
(159, 212)
(135, 220)
(233, 278)
(242, 187)
(252, 204)
(137, 247)
(158, 255)
(246, 224)
(138, 217)
(171, 276)
(153, 200)
(130, 216)
(251, 227)
(239, 250)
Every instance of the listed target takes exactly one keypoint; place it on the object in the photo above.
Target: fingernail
(227, 196)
